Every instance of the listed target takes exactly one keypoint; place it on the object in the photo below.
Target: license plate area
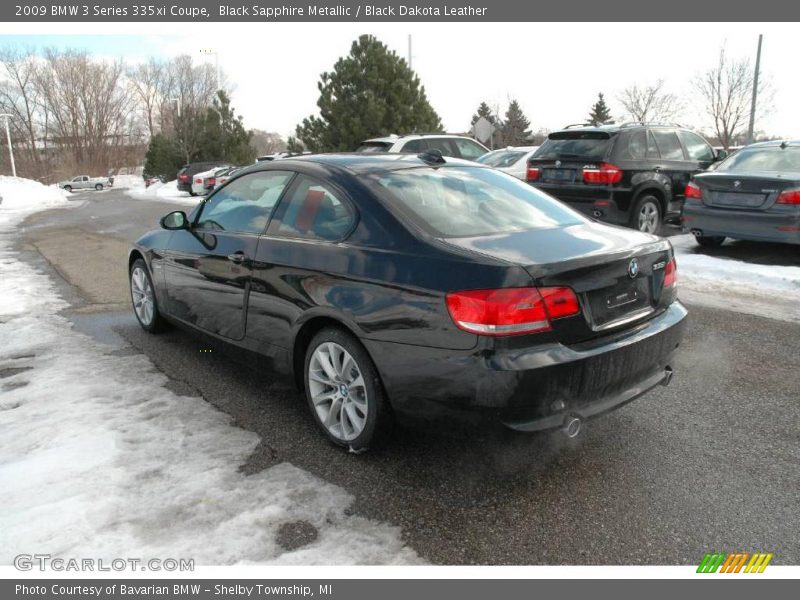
(559, 175)
(736, 199)
(615, 305)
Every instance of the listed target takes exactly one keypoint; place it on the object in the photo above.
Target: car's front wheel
(143, 297)
(344, 392)
(67, 188)
(646, 216)
(710, 241)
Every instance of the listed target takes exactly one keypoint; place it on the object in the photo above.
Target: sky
(555, 70)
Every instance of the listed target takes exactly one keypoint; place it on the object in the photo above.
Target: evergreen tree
(600, 114)
(370, 92)
(516, 127)
(224, 135)
(485, 111)
(293, 145)
(163, 158)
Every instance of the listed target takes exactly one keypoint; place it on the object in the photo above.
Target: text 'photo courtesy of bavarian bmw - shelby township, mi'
(355, 292)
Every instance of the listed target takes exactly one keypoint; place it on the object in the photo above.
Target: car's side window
(697, 148)
(443, 145)
(312, 210)
(415, 146)
(668, 144)
(469, 149)
(245, 204)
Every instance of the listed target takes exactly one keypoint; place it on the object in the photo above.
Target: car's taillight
(671, 274)
(693, 191)
(604, 173)
(183, 177)
(789, 197)
(533, 173)
(198, 181)
(212, 180)
(511, 311)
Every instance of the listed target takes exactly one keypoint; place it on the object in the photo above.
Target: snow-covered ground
(767, 290)
(98, 458)
(165, 192)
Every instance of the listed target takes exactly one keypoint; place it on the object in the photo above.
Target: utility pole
(409, 51)
(755, 92)
(10, 149)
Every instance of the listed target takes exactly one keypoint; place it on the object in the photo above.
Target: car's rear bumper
(532, 389)
(767, 226)
(184, 187)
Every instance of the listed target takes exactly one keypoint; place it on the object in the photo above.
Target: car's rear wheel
(646, 216)
(143, 297)
(344, 392)
(99, 187)
(710, 241)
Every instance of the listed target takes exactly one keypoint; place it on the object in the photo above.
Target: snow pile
(768, 290)
(165, 192)
(20, 197)
(98, 458)
(128, 181)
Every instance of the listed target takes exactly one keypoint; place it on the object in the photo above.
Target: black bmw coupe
(417, 287)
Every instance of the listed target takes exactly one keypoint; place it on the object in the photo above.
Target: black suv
(188, 171)
(632, 174)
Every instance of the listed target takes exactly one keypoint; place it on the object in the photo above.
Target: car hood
(545, 252)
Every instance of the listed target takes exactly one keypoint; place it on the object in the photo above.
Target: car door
(207, 268)
(674, 163)
(298, 258)
(468, 149)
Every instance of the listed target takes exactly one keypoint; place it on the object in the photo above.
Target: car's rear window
(581, 145)
(772, 158)
(374, 147)
(470, 201)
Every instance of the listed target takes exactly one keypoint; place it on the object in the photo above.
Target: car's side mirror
(175, 220)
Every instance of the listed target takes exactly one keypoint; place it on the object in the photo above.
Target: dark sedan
(398, 286)
(752, 195)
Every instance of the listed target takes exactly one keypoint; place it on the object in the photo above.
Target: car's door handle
(236, 257)
(658, 168)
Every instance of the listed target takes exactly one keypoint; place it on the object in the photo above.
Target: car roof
(776, 143)
(391, 139)
(362, 163)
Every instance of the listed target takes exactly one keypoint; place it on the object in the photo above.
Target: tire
(68, 188)
(710, 241)
(143, 293)
(331, 388)
(192, 193)
(99, 187)
(646, 215)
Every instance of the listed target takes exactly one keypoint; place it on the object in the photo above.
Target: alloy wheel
(648, 217)
(142, 293)
(338, 391)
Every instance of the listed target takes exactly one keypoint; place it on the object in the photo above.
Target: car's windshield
(471, 201)
(580, 145)
(773, 158)
(504, 158)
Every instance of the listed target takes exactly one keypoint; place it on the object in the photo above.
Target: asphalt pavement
(709, 463)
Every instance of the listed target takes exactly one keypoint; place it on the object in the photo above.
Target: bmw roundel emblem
(558, 163)
(633, 268)
(737, 184)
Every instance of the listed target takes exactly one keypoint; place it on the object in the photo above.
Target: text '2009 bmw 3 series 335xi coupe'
(398, 286)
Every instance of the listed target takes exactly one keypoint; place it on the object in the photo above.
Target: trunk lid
(743, 191)
(617, 273)
(564, 155)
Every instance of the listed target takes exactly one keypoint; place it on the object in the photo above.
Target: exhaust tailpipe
(667, 376)
(572, 426)
(597, 214)
(697, 232)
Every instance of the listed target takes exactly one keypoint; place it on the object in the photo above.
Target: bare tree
(194, 88)
(19, 97)
(726, 90)
(266, 142)
(650, 102)
(147, 82)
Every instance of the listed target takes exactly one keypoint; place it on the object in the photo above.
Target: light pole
(208, 51)
(10, 149)
(755, 93)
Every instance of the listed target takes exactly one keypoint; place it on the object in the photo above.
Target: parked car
(222, 178)
(187, 173)
(204, 182)
(512, 160)
(417, 287)
(456, 146)
(751, 195)
(633, 174)
(84, 182)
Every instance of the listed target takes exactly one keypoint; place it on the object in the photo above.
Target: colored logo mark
(734, 562)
